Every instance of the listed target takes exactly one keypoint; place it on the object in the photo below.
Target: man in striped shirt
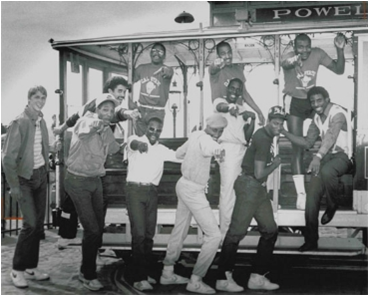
(25, 162)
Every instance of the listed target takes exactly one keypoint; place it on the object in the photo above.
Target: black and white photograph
(184, 147)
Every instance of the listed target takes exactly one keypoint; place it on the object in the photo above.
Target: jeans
(251, 201)
(142, 205)
(192, 202)
(32, 205)
(87, 196)
(332, 167)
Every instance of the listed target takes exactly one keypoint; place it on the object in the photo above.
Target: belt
(253, 178)
(139, 183)
(151, 107)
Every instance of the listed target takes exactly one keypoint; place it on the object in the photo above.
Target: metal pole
(201, 76)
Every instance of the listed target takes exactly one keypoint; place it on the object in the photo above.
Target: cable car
(259, 32)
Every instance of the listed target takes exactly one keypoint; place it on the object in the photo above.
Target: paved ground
(309, 278)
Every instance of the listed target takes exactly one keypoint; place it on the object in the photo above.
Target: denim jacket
(17, 153)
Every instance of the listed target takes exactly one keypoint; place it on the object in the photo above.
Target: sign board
(312, 13)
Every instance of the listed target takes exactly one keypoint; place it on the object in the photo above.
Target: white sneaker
(143, 285)
(93, 285)
(34, 274)
(301, 201)
(228, 285)
(170, 278)
(199, 287)
(260, 282)
(18, 279)
(63, 243)
(151, 280)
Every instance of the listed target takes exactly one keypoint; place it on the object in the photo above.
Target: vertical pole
(59, 184)
(85, 82)
(130, 80)
(276, 173)
(201, 76)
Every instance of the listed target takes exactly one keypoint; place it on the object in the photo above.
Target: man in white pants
(196, 154)
(234, 141)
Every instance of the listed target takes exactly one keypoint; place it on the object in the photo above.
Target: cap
(276, 112)
(106, 98)
(216, 121)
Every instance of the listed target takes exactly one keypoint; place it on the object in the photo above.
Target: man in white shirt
(145, 167)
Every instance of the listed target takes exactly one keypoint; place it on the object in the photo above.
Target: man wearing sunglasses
(155, 79)
(145, 167)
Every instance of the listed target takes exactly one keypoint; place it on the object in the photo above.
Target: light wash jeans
(192, 202)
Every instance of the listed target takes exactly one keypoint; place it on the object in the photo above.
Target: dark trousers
(332, 167)
(87, 197)
(142, 204)
(32, 205)
(251, 202)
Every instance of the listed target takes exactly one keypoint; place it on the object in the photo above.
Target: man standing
(196, 154)
(300, 73)
(92, 141)
(155, 83)
(252, 202)
(222, 71)
(234, 140)
(146, 159)
(331, 122)
(25, 159)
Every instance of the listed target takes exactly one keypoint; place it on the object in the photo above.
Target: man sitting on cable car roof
(222, 71)
(331, 123)
(300, 69)
(155, 80)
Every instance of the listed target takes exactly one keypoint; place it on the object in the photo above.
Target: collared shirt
(148, 167)
(89, 149)
(17, 153)
(336, 124)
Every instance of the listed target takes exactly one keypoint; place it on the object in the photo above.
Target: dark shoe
(328, 215)
(308, 247)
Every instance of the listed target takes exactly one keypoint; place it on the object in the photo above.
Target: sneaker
(170, 278)
(151, 280)
(34, 274)
(228, 285)
(63, 243)
(199, 287)
(260, 282)
(18, 279)
(143, 285)
(301, 201)
(93, 285)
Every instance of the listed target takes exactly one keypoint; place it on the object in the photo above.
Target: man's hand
(165, 72)
(132, 114)
(57, 145)
(233, 109)
(142, 147)
(261, 119)
(219, 63)
(98, 125)
(219, 154)
(277, 161)
(314, 166)
(248, 114)
(16, 193)
(340, 41)
(295, 60)
(58, 130)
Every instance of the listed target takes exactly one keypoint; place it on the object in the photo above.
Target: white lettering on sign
(358, 7)
(325, 10)
(279, 12)
(342, 9)
(307, 12)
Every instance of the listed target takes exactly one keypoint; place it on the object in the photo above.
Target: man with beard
(300, 69)
(155, 80)
(146, 159)
(234, 140)
(331, 122)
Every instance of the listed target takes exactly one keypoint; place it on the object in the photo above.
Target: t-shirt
(299, 80)
(261, 149)
(154, 88)
(220, 80)
(148, 167)
(233, 133)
